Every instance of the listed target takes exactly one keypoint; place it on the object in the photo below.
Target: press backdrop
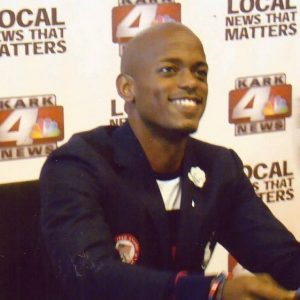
(59, 61)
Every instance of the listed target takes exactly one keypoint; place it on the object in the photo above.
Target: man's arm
(79, 240)
(260, 286)
(260, 243)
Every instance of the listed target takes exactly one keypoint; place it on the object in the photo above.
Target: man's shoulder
(202, 146)
(214, 157)
(91, 142)
(97, 136)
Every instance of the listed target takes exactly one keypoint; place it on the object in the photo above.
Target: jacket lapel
(194, 211)
(129, 155)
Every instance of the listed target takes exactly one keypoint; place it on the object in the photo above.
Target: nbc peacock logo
(45, 128)
(276, 106)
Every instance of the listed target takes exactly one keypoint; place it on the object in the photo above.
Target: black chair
(25, 271)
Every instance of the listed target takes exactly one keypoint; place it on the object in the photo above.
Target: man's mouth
(187, 102)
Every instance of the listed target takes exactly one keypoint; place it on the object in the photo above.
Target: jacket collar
(127, 150)
(129, 156)
(193, 208)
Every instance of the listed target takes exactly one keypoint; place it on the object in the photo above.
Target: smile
(187, 102)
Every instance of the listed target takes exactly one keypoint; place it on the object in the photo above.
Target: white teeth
(185, 102)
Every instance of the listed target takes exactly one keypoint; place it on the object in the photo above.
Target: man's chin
(183, 131)
(175, 131)
(188, 127)
(188, 130)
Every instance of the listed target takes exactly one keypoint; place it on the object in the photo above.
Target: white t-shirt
(171, 192)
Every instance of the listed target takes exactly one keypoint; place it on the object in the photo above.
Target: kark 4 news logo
(260, 104)
(131, 17)
(30, 126)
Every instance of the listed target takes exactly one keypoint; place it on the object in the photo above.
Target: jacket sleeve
(254, 236)
(80, 243)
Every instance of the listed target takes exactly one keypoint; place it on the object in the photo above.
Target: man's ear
(125, 87)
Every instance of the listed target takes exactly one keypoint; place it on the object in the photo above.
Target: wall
(59, 61)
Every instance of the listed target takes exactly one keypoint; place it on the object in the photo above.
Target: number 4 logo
(18, 125)
(129, 20)
(251, 105)
(141, 16)
(260, 103)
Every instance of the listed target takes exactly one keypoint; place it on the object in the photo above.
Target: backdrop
(59, 61)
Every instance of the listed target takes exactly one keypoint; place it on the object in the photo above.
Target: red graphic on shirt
(128, 247)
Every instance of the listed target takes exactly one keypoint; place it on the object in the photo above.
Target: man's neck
(164, 153)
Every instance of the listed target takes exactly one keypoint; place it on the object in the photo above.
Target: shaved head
(142, 45)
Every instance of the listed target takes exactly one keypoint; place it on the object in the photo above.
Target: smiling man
(169, 76)
(134, 212)
(164, 84)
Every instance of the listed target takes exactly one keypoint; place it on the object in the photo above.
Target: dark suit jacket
(100, 185)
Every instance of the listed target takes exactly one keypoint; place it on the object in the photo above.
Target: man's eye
(167, 70)
(202, 74)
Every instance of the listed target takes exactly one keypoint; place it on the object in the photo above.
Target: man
(134, 212)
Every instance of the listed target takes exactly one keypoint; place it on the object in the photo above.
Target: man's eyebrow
(170, 59)
(201, 64)
(178, 61)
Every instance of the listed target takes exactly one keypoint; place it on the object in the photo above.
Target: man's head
(164, 79)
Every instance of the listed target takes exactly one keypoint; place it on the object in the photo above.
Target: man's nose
(187, 80)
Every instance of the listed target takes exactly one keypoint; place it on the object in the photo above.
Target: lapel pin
(197, 176)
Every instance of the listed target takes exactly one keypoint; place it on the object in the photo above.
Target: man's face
(170, 82)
